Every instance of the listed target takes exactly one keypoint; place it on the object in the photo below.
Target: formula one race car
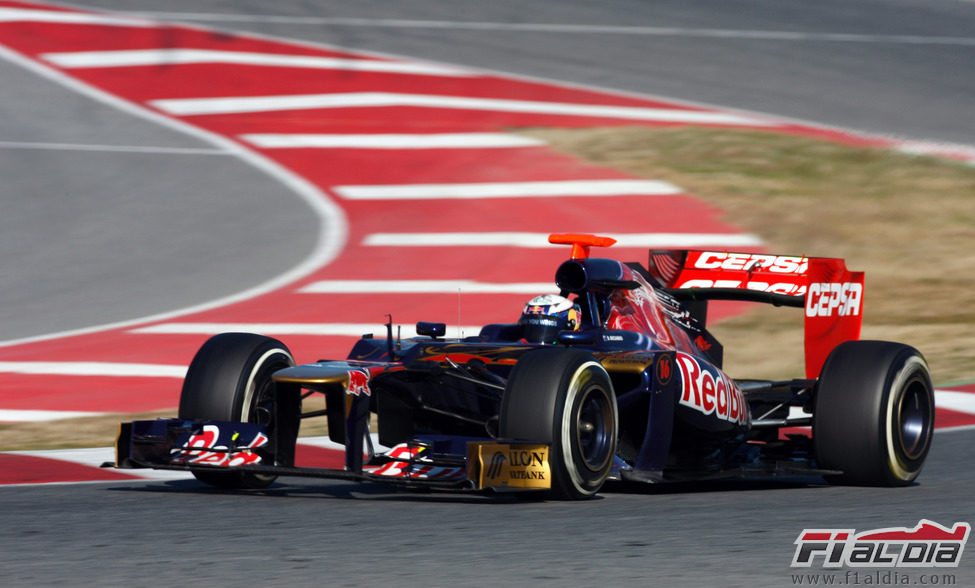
(615, 378)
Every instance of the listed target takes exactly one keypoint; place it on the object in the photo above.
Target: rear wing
(831, 295)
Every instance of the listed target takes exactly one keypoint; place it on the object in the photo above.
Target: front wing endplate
(509, 465)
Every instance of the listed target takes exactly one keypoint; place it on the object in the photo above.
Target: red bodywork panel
(832, 295)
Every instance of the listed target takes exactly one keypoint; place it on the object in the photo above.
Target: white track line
(96, 456)
(151, 57)
(964, 153)
(92, 368)
(423, 287)
(963, 402)
(956, 401)
(281, 329)
(38, 416)
(80, 18)
(238, 105)
(540, 240)
(391, 141)
(509, 190)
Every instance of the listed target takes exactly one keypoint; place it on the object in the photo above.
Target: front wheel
(874, 413)
(564, 397)
(229, 379)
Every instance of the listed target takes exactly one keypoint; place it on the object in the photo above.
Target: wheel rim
(914, 422)
(260, 404)
(593, 429)
(262, 408)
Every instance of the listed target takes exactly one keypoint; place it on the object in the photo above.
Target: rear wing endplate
(830, 294)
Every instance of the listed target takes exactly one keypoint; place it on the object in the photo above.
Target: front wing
(445, 462)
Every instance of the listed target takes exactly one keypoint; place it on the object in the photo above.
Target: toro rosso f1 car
(615, 378)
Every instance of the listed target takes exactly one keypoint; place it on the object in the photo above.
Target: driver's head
(544, 316)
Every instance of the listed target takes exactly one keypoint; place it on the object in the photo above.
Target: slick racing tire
(229, 379)
(873, 413)
(564, 397)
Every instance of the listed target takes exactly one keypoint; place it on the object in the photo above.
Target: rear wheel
(229, 379)
(874, 413)
(564, 397)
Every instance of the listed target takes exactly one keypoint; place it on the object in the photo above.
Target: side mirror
(431, 329)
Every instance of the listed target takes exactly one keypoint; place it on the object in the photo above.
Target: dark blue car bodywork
(665, 410)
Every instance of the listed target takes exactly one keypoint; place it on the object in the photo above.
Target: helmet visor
(541, 328)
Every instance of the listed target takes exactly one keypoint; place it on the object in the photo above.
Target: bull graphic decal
(358, 383)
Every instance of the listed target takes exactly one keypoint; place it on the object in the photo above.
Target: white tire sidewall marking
(250, 385)
(891, 429)
(567, 432)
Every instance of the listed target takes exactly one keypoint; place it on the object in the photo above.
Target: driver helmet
(544, 316)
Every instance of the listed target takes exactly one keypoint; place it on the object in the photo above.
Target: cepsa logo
(777, 264)
(926, 545)
(791, 269)
(787, 288)
(834, 299)
(710, 393)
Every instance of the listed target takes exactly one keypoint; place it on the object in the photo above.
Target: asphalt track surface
(898, 67)
(142, 533)
(305, 533)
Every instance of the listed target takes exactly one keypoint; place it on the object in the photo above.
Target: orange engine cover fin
(580, 243)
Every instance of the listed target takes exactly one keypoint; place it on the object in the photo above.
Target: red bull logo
(358, 383)
(205, 447)
(709, 393)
